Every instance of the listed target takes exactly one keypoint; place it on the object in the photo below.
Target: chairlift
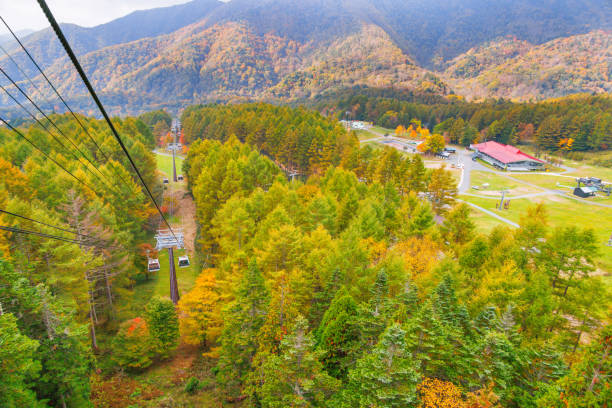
(183, 261)
(166, 181)
(180, 177)
(154, 265)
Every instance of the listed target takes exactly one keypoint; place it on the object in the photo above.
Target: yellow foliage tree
(420, 255)
(15, 182)
(435, 393)
(566, 143)
(499, 286)
(413, 133)
(200, 311)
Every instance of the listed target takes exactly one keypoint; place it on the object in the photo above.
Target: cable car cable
(46, 155)
(77, 65)
(48, 119)
(52, 226)
(53, 136)
(21, 70)
(54, 88)
(42, 234)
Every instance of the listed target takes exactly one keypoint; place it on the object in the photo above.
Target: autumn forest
(309, 204)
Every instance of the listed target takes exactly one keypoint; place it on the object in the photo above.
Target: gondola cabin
(180, 177)
(183, 261)
(154, 265)
(166, 181)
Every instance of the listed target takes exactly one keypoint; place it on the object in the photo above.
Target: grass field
(383, 130)
(586, 166)
(561, 212)
(497, 182)
(164, 164)
(365, 134)
(553, 182)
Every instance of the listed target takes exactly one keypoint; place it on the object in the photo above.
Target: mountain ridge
(288, 49)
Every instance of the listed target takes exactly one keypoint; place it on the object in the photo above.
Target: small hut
(585, 192)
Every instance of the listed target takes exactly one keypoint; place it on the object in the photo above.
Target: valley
(307, 203)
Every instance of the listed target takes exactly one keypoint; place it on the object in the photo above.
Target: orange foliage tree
(483, 398)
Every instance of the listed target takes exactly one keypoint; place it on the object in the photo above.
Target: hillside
(46, 49)
(515, 69)
(288, 49)
(231, 59)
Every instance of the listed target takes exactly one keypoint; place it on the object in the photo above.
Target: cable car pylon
(165, 239)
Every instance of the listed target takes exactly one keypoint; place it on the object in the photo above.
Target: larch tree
(243, 319)
(442, 190)
(199, 314)
(18, 365)
(163, 326)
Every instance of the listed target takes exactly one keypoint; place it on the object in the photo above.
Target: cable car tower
(165, 239)
(175, 146)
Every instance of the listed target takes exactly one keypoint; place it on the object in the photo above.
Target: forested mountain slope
(46, 48)
(288, 49)
(51, 290)
(518, 70)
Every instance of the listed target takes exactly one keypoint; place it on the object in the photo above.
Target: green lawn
(374, 145)
(585, 167)
(586, 170)
(383, 130)
(365, 134)
(497, 182)
(562, 212)
(552, 182)
(164, 164)
(484, 222)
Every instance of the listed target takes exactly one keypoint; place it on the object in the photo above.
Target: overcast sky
(22, 14)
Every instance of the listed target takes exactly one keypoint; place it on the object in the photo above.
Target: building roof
(504, 153)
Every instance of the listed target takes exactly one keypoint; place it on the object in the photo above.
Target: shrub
(192, 385)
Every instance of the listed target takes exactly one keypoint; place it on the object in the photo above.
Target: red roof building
(506, 157)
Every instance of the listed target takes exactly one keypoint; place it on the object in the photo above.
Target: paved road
(374, 139)
(465, 157)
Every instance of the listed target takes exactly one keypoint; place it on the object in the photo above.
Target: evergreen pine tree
(295, 378)
(387, 377)
(338, 335)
